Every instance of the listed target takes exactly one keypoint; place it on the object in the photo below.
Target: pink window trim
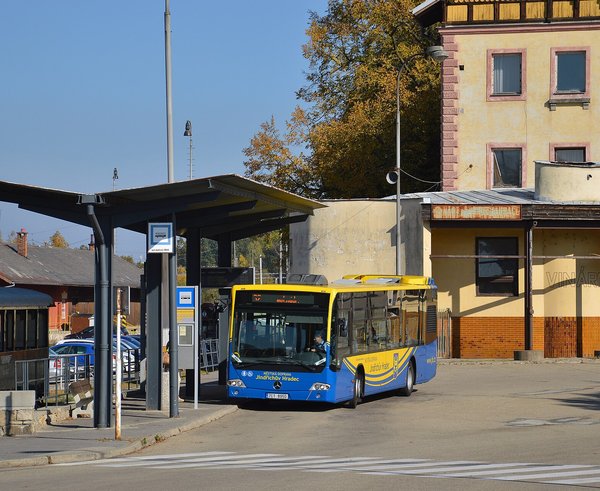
(490, 162)
(553, 77)
(554, 146)
(489, 89)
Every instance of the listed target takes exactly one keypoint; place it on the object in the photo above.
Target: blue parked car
(84, 361)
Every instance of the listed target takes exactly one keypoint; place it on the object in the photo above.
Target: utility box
(187, 325)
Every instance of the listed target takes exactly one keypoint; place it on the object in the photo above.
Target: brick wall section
(450, 96)
(590, 336)
(499, 337)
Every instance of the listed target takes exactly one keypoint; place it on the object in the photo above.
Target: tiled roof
(56, 266)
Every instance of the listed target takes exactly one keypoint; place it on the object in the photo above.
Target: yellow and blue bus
(379, 334)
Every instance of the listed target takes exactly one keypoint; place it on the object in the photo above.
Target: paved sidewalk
(74, 440)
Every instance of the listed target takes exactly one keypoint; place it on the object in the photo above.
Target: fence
(209, 354)
(50, 377)
(444, 333)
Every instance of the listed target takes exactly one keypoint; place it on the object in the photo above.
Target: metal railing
(209, 354)
(51, 377)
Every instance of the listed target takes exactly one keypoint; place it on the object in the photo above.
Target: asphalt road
(475, 426)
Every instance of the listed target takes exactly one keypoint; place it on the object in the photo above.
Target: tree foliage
(58, 241)
(343, 144)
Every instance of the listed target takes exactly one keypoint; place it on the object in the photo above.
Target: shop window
(497, 274)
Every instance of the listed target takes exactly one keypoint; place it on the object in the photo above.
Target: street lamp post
(188, 132)
(438, 54)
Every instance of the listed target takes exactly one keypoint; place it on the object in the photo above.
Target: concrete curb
(510, 361)
(105, 453)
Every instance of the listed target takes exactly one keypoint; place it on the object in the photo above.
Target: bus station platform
(75, 440)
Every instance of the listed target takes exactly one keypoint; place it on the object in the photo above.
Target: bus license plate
(278, 395)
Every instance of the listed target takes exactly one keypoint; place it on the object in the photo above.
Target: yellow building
(518, 86)
(513, 239)
(515, 243)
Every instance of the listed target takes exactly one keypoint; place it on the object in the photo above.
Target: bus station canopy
(227, 205)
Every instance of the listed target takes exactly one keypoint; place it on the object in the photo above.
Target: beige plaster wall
(357, 236)
(528, 122)
(571, 287)
(561, 287)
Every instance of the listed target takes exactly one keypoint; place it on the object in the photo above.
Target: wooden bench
(83, 395)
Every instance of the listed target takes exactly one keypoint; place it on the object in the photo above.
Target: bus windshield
(279, 329)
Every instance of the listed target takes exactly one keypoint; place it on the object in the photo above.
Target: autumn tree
(58, 241)
(280, 160)
(348, 129)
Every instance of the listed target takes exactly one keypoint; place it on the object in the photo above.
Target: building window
(506, 75)
(569, 154)
(507, 166)
(570, 76)
(570, 72)
(498, 274)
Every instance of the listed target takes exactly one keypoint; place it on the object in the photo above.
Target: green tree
(348, 131)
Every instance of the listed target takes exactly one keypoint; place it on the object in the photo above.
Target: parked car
(88, 333)
(86, 347)
(79, 355)
(134, 341)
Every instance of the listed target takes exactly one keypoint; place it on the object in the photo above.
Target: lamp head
(438, 53)
(188, 129)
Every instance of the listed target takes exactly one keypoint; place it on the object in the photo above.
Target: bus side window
(340, 346)
(379, 325)
(393, 328)
(359, 322)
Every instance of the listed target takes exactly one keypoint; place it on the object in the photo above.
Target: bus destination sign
(283, 298)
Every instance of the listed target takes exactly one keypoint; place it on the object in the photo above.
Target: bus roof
(351, 283)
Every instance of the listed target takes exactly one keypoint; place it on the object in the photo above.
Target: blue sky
(83, 91)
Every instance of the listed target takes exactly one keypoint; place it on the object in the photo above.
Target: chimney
(22, 242)
(92, 245)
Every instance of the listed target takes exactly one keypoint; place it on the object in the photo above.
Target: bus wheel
(410, 380)
(357, 392)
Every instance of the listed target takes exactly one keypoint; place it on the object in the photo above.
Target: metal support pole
(173, 338)
(153, 332)
(528, 314)
(398, 205)
(170, 170)
(438, 54)
(118, 371)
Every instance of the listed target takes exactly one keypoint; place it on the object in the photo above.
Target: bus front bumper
(313, 395)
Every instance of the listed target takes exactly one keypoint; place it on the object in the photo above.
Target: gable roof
(56, 266)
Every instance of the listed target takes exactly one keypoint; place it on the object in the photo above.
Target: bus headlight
(320, 386)
(236, 382)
